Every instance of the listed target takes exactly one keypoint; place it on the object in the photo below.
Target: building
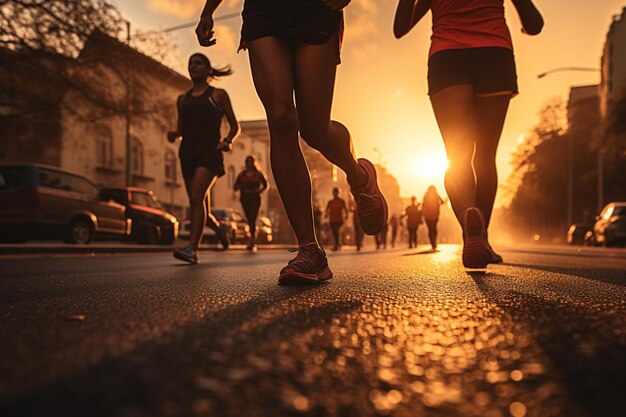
(613, 64)
(83, 126)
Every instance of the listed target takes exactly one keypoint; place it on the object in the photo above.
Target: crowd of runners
(294, 47)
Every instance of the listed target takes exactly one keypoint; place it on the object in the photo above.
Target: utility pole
(129, 147)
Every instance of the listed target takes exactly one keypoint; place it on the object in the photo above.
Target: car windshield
(146, 199)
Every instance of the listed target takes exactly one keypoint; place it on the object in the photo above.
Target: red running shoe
(371, 206)
(476, 250)
(310, 266)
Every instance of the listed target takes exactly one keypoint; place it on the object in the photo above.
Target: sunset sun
(430, 166)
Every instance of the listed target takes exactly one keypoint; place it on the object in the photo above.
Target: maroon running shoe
(476, 250)
(310, 266)
(371, 206)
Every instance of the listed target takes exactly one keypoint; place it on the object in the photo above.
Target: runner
(251, 182)
(356, 226)
(393, 222)
(336, 212)
(471, 79)
(430, 209)
(413, 216)
(200, 112)
(294, 50)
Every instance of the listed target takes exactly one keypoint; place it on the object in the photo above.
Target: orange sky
(381, 85)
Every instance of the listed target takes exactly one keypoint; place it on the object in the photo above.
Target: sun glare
(430, 166)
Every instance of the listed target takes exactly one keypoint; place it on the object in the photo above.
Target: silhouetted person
(294, 49)
(381, 238)
(200, 114)
(356, 225)
(471, 80)
(251, 182)
(413, 216)
(393, 223)
(336, 212)
(430, 210)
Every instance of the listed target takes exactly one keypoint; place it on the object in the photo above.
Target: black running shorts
(488, 70)
(214, 162)
(295, 21)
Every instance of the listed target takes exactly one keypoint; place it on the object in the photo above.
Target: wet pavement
(396, 333)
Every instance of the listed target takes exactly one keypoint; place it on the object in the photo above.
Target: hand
(204, 31)
(336, 5)
(223, 146)
(172, 136)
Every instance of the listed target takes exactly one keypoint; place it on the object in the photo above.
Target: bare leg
(315, 69)
(490, 113)
(271, 62)
(197, 188)
(455, 114)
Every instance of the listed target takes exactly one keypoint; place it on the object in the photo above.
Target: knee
(314, 135)
(282, 117)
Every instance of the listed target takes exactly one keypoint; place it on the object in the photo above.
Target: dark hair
(257, 167)
(214, 72)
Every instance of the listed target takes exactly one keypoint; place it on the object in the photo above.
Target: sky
(381, 87)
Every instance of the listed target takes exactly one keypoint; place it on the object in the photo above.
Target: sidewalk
(109, 247)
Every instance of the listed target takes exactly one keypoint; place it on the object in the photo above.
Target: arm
(172, 135)
(224, 102)
(204, 30)
(532, 22)
(264, 184)
(408, 13)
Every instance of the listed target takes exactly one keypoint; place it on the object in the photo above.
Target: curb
(30, 249)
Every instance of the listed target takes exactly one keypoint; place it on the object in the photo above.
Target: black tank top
(200, 119)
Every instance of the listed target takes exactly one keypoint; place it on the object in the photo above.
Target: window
(105, 148)
(67, 182)
(170, 167)
(136, 157)
(141, 199)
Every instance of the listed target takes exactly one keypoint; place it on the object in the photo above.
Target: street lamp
(563, 69)
(570, 162)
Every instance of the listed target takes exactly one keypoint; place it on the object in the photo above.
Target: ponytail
(214, 72)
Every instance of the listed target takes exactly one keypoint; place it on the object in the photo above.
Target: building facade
(613, 64)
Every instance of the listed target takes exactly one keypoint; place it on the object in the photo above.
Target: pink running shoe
(310, 266)
(371, 206)
(476, 250)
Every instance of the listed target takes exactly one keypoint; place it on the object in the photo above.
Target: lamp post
(570, 150)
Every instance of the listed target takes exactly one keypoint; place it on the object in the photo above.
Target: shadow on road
(586, 353)
(226, 359)
(609, 276)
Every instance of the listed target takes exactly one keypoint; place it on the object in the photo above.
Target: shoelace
(306, 257)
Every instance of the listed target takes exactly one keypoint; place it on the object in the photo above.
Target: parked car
(264, 230)
(43, 202)
(152, 225)
(577, 232)
(231, 222)
(610, 226)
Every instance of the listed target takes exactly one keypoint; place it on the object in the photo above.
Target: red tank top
(464, 24)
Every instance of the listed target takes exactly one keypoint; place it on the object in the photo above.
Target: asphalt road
(398, 333)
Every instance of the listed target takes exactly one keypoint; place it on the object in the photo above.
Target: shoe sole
(291, 277)
(476, 254)
(369, 167)
(184, 259)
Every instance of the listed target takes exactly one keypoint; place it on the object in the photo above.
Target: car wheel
(80, 231)
(168, 239)
(150, 234)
